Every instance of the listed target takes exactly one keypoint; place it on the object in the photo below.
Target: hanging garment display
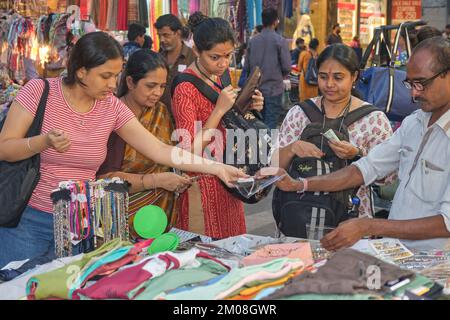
(254, 11)
(20, 41)
(133, 11)
(194, 5)
(288, 8)
(241, 21)
(122, 15)
(271, 4)
(143, 13)
(174, 7)
(103, 14)
(111, 20)
(88, 211)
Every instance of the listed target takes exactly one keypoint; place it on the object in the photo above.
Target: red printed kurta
(223, 213)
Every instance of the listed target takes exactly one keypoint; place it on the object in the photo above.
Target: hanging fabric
(183, 6)
(122, 15)
(214, 7)
(111, 20)
(84, 9)
(271, 4)
(133, 14)
(241, 21)
(94, 13)
(287, 8)
(174, 7)
(165, 6)
(194, 5)
(153, 17)
(204, 7)
(103, 14)
(254, 11)
(143, 13)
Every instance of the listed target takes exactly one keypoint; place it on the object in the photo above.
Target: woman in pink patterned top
(338, 71)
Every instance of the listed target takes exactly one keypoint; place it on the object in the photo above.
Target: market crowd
(114, 111)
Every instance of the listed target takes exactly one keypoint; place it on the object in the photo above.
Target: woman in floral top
(338, 71)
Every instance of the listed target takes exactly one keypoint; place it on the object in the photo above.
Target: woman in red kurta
(207, 207)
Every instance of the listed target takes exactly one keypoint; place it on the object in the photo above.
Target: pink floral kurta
(365, 133)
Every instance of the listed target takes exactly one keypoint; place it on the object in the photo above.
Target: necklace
(80, 115)
(217, 85)
(343, 112)
(139, 112)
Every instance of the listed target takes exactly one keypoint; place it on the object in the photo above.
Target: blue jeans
(33, 237)
(272, 110)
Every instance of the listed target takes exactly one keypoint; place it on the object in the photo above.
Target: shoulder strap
(36, 125)
(201, 86)
(359, 113)
(312, 112)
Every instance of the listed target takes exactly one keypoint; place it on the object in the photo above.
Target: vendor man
(419, 150)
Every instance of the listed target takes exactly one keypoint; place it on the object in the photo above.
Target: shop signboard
(406, 10)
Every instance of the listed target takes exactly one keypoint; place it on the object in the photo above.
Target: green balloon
(150, 222)
(165, 242)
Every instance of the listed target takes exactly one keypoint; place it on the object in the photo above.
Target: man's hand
(346, 234)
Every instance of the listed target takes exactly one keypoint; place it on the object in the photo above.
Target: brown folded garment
(346, 272)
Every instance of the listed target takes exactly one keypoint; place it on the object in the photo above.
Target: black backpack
(293, 211)
(235, 121)
(312, 73)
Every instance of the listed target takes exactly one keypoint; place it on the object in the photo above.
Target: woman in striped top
(81, 113)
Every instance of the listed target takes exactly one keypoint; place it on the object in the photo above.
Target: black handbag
(235, 121)
(19, 179)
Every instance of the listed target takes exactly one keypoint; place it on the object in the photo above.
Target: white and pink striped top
(88, 133)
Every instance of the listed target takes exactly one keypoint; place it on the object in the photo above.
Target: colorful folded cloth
(61, 283)
(300, 250)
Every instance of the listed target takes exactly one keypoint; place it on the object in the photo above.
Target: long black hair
(90, 51)
(138, 65)
(212, 31)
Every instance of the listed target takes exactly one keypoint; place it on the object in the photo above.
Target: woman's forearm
(204, 137)
(13, 150)
(148, 145)
(284, 157)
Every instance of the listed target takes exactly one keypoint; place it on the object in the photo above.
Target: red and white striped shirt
(88, 133)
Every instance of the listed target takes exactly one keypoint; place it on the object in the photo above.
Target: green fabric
(235, 275)
(57, 283)
(180, 277)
